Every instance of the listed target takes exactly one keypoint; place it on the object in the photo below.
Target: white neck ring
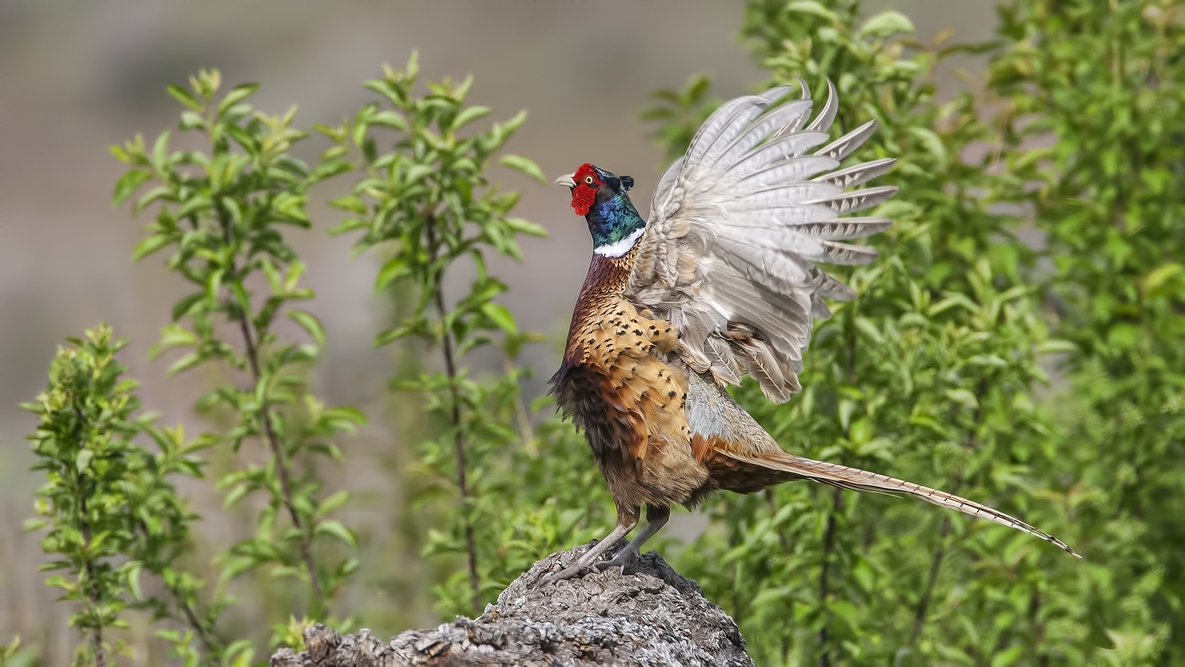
(619, 248)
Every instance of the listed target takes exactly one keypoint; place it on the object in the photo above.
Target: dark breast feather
(575, 389)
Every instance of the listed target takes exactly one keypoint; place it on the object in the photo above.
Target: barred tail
(862, 480)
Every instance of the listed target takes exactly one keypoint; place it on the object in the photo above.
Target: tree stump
(650, 616)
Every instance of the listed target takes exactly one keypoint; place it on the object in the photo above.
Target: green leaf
(160, 151)
(526, 227)
(336, 529)
(813, 8)
(345, 413)
(886, 23)
(931, 142)
(333, 502)
(186, 304)
(469, 115)
(34, 524)
(83, 460)
(175, 335)
(389, 119)
(236, 95)
(310, 324)
(147, 198)
(150, 245)
(350, 203)
(500, 316)
(962, 397)
(1160, 276)
(185, 363)
(184, 96)
(127, 185)
(525, 165)
(236, 494)
(133, 579)
(393, 270)
(391, 335)
(1055, 346)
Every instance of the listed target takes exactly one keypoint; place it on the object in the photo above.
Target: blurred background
(75, 77)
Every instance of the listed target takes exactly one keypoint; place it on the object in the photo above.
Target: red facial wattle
(584, 194)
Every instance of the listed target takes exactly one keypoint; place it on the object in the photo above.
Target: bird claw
(624, 559)
(573, 572)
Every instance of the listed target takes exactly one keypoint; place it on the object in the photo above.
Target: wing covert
(737, 225)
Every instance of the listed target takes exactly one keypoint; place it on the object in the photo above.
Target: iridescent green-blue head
(601, 198)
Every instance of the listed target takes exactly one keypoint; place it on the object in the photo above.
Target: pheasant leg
(625, 523)
(656, 518)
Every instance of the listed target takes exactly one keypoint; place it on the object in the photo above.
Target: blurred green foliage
(1092, 101)
(935, 372)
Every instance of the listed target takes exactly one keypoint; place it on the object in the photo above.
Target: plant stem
(281, 463)
(100, 654)
(273, 441)
(455, 417)
(520, 411)
(202, 631)
(1038, 626)
(828, 547)
(936, 562)
(935, 565)
(837, 505)
(85, 528)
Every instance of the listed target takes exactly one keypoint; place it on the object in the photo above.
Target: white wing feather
(736, 226)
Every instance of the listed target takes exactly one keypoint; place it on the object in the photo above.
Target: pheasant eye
(588, 180)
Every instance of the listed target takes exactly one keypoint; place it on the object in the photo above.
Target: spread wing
(736, 227)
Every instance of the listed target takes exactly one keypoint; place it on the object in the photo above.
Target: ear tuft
(627, 182)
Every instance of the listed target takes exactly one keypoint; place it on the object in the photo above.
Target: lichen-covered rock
(651, 616)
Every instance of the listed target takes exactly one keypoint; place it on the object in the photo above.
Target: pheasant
(720, 283)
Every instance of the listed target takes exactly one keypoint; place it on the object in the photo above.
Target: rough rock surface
(651, 616)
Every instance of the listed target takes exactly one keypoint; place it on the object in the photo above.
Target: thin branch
(837, 505)
(273, 441)
(1038, 626)
(919, 618)
(521, 414)
(828, 547)
(203, 632)
(455, 394)
(85, 528)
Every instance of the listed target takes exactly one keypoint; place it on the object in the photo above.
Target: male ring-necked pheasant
(720, 283)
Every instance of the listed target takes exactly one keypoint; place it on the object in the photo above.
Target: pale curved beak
(567, 179)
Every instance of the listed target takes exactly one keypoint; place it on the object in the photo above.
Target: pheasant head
(601, 198)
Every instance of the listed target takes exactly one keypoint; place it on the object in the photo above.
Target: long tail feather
(862, 480)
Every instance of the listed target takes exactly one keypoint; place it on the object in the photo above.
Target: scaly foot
(583, 565)
(624, 559)
(575, 571)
